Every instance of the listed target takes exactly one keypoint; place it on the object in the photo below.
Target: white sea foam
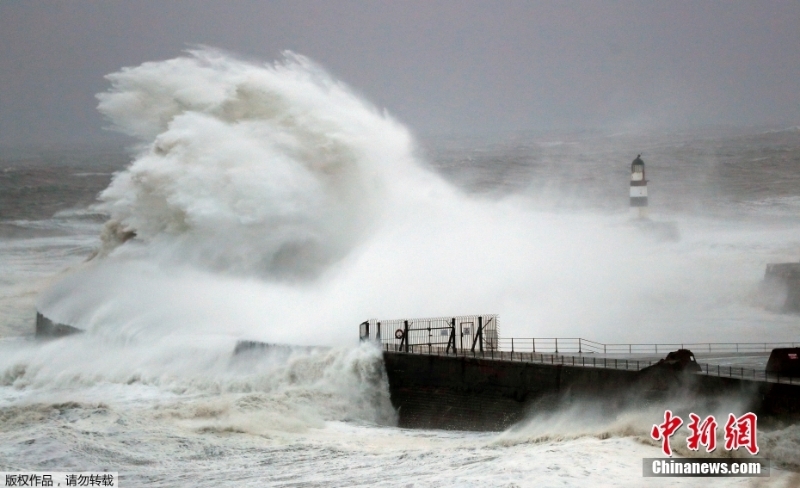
(260, 169)
(265, 389)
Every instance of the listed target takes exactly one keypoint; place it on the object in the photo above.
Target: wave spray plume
(276, 170)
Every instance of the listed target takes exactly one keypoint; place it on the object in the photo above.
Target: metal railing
(468, 331)
(591, 361)
(584, 346)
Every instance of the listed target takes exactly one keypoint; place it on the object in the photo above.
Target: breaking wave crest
(201, 385)
(268, 169)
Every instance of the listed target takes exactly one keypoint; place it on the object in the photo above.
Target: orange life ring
(398, 334)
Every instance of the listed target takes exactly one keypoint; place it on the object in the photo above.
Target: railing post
(461, 331)
(579, 346)
(478, 336)
(556, 345)
(405, 333)
(452, 339)
(480, 333)
(534, 344)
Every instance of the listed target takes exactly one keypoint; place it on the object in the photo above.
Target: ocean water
(269, 202)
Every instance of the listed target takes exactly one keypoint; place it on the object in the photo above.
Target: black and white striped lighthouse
(638, 188)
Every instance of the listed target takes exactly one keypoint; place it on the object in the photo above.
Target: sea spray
(275, 170)
(265, 391)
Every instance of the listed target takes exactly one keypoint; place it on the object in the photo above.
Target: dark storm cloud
(437, 66)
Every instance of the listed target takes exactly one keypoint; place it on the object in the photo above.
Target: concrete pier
(457, 373)
(464, 392)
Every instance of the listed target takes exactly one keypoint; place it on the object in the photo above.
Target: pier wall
(465, 393)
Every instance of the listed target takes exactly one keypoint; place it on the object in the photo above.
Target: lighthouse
(638, 188)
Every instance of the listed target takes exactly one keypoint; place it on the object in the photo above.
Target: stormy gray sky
(456, 66)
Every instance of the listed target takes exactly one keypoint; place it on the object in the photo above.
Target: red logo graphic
(741, 432)
(703, 433)
(664, 431)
